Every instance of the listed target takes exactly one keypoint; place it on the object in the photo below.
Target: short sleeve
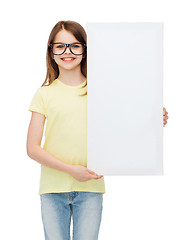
(38, 102)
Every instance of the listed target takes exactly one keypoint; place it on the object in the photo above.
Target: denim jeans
(85, 208)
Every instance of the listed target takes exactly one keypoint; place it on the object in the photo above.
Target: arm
(37, 153)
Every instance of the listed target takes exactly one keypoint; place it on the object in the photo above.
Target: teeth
(67, 58)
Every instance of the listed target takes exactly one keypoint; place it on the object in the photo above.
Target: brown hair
(52, 67)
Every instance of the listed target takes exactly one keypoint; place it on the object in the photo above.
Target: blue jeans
(85, 209)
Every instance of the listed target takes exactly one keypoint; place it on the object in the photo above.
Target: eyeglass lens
(77, 48)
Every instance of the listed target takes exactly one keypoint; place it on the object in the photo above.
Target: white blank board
(124, 98)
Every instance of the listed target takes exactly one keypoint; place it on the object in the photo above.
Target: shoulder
(42, 90)
(40, 93)
(45, 89)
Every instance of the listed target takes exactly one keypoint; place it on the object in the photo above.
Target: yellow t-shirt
(65, 135)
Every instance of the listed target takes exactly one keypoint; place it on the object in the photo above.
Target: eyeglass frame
(67, 45)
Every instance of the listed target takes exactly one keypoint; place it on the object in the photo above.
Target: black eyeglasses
(76, 48)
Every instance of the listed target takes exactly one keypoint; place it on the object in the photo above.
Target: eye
(60, 46)
(76, 45)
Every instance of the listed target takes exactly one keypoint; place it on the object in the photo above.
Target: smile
(68, 59)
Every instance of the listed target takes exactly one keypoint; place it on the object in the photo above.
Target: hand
(165, 116)
(82, 173)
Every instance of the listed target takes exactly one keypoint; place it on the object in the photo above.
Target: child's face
(66, 37)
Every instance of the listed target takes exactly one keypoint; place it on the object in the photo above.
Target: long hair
(52, 67)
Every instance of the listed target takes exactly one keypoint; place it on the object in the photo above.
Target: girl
(67, 187)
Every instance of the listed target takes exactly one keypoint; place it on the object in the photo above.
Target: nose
(67, 50)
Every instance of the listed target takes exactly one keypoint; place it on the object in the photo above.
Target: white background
(134, 207)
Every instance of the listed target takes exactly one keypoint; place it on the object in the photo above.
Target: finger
(91, 172)
(94, 176)
(100, 176)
